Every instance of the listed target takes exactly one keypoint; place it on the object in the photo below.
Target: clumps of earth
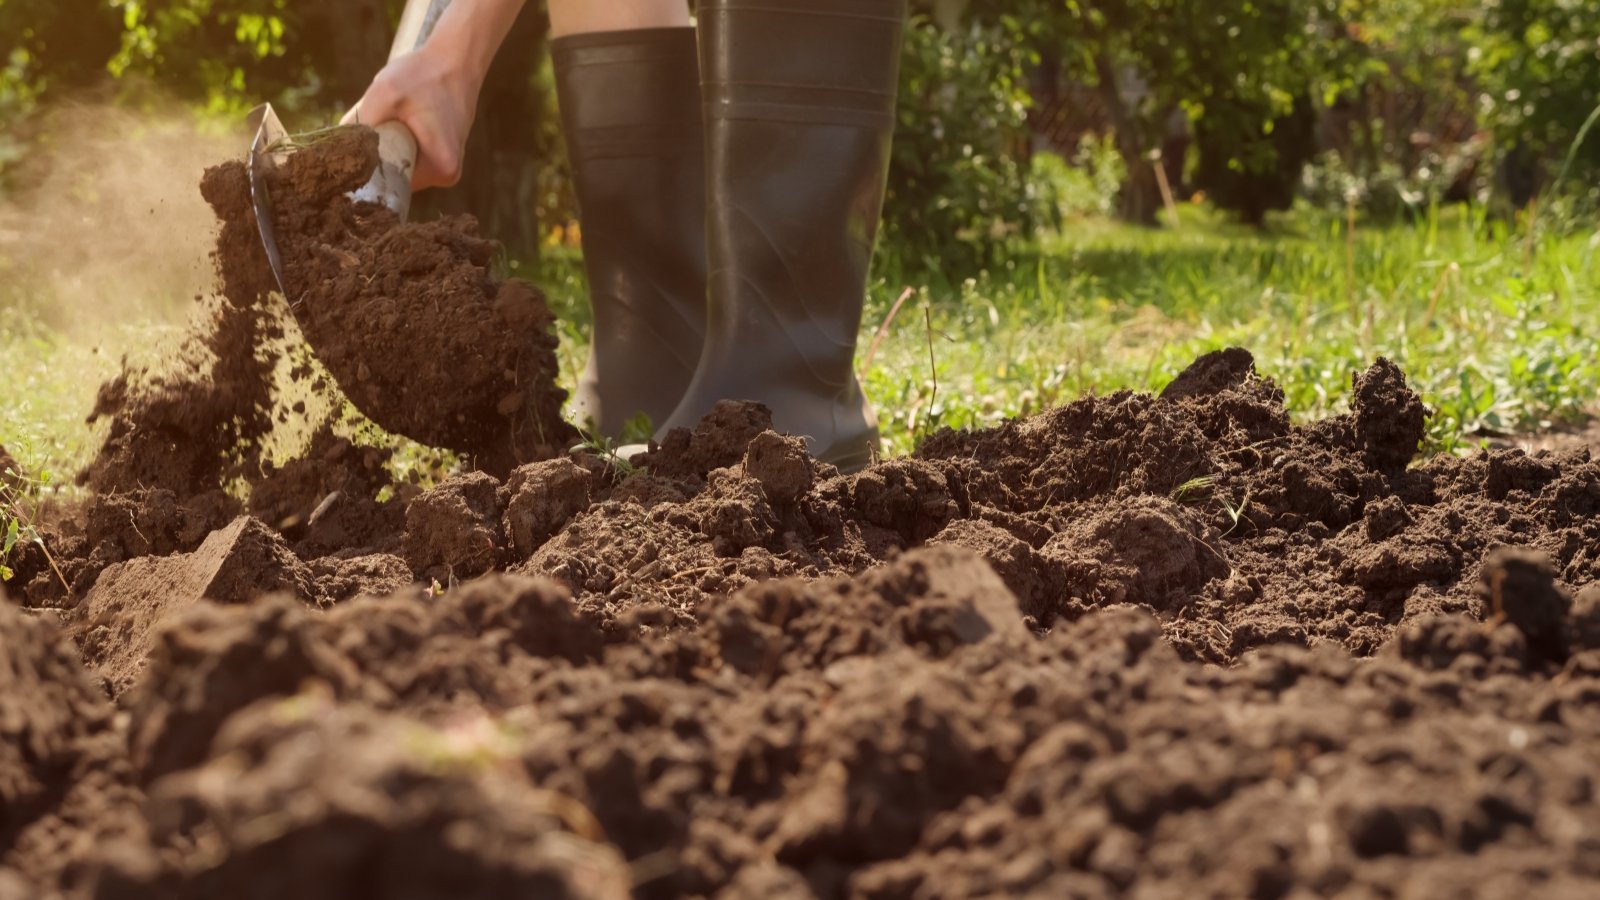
(1140, 644)
(410, 320)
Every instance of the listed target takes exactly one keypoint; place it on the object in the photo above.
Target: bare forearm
(470, 33)
(434, 89)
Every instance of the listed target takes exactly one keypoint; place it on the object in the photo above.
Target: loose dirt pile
(1164, 645)
(410, 320)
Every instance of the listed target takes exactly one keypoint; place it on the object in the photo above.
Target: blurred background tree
(959, 193)
(1012, 113)
(1537, 66)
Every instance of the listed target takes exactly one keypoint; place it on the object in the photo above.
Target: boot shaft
(829, 62)
(627, 94)
(800, 109)
(631, 107)
(631, 113)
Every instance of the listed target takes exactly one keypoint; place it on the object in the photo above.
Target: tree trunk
(350, 41)
(1140, 198)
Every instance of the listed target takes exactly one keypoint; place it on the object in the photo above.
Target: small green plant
(637, 430)
(19, 516)
(1201, 490)
(606, 449)
(1235, 512)
(1194, 490)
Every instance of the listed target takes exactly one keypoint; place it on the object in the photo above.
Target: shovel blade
(265, 153)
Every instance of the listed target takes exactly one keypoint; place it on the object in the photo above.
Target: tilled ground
(1162, 646)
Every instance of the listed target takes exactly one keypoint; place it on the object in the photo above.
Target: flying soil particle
(410, 319)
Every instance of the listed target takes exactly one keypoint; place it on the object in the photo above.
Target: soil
(410, 319)
(1566, 436)
(1169, 645)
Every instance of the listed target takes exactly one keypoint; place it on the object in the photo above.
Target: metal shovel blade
(269, 134)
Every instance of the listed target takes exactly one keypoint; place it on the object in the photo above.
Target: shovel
(397, 147)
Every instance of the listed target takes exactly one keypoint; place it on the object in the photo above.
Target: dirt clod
(56, 721)
(454, 531)
(1153, 552)
(133, 600)
(1390, 419)
(543, 497)
(1586, 618)
(719, 441)
(316, 800)
(782, 465)
(1520, 588)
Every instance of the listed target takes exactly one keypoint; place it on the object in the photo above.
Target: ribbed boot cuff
(629, 93)
(828, 62)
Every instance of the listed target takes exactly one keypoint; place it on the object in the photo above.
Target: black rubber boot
(630, 104)
(800, 108)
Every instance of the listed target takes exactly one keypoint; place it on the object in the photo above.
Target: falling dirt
(1167, 645)
(185, 439)
(410, 319)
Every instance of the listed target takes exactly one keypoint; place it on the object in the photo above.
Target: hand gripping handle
(397, 146)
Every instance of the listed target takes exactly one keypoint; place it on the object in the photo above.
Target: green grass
(50, 382)
(1493, 343)
(1495, 339)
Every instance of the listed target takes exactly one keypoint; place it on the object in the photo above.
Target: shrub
(959, 191)
(1085, 185)
(1537, 63)
(1248, 173)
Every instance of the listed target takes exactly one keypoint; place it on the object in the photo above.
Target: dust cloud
(104, 225)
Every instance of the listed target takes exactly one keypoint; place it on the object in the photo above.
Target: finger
(380, 104)
(429, 174)
(438, 160)
(352, 115)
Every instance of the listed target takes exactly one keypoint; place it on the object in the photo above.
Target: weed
(1236, 512)
(19, 519)
(1194, 490)
(606, 449)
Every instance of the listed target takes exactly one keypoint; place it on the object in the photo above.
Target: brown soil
(410, 319)
(1562, 437)
(187, 426)
(1138, 645)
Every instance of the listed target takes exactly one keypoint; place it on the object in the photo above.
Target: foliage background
(1419, 142)
(1390, 104)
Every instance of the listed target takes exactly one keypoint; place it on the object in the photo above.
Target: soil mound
(300, 799)
(64, 781)
(899, 733)
(1148, 645)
